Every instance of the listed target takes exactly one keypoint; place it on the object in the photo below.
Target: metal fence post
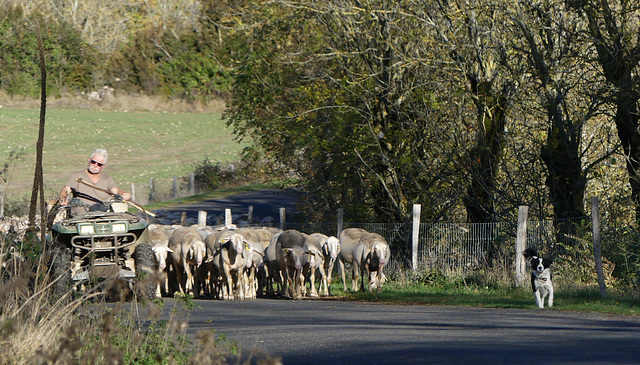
(340, 221)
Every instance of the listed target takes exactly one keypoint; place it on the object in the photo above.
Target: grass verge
(412, 293)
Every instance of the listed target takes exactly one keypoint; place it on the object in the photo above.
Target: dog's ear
(547, 262)
(529, 253)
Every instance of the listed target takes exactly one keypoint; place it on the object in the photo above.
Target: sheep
(272, 268)
(329, 247)
(254, 273)
(226, 249)
(292, 254)
(350, 238)
(316, 262)
(163, 256)
(188, 250)
(369, 256)
(348, 241)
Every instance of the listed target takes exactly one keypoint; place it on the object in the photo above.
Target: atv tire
(60, 270)
(146, 281)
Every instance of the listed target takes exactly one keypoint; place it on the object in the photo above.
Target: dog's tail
(529, 253)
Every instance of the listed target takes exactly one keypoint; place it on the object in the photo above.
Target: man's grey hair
(101, 151)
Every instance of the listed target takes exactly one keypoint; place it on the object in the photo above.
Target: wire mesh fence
(464, 248)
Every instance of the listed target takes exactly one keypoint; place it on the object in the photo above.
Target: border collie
(541, 277)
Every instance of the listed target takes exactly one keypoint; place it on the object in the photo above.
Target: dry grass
(122, 103)
(36, 327)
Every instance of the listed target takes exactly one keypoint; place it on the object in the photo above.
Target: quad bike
(103, 244)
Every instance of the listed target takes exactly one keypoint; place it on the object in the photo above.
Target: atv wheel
(60, 270)
(145, 285)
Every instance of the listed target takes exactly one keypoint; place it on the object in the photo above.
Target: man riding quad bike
(100, 242)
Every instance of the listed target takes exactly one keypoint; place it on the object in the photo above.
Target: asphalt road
(265, 202)
(334, 332)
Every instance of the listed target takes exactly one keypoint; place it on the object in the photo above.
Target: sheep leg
(355, 273)
(189, 283)
(312, 280)
(365, 274)
(286, 282)
(240, 284)
(329, 273)
(228, 280)
(298, 280)
(344, 277)
(324, 291)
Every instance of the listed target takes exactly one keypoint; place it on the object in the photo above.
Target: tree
(551, 48)
(334, 92)
(477, 33)
(612, 28)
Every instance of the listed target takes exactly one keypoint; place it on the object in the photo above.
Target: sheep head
(197, 252)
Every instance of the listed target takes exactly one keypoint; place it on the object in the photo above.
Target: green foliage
(209, 175)
(68, 60)
(155, 61)
(326, 94)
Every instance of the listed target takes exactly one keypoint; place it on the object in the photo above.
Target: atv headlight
(119, 227)
(86, 229)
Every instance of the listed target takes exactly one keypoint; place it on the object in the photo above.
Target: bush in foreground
(36, 326)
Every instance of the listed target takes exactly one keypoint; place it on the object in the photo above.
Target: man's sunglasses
(97, 163)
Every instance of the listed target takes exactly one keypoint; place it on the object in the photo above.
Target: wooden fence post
(340, 221)
(192, 184)
(175, 188)
(1, 206)
(202, 218)
(133, 192)
(228, 218)
(283, 219)
(250, 215)
(151, 188)
(183, 219)
(521, 240)
(597, 244)
(415, 236)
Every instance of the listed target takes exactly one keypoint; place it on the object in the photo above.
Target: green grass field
(141, 146)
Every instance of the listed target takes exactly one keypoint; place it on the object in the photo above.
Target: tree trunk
(485, 157)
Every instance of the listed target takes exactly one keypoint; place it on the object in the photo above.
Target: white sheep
(226, 249)
(163, 256)
(189, 252)
(374, 254)
(329, 247)
(292, 253)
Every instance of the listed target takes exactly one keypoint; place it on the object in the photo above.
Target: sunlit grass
(455, 292)
(141, 145)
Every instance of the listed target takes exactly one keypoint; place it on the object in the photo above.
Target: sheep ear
(169, 250)
(287, 251)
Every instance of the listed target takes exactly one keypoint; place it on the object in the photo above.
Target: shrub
(38, 327)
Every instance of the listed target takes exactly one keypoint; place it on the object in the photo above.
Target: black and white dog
(541, 277)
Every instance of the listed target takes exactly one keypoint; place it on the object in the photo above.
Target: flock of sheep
(245, 263)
